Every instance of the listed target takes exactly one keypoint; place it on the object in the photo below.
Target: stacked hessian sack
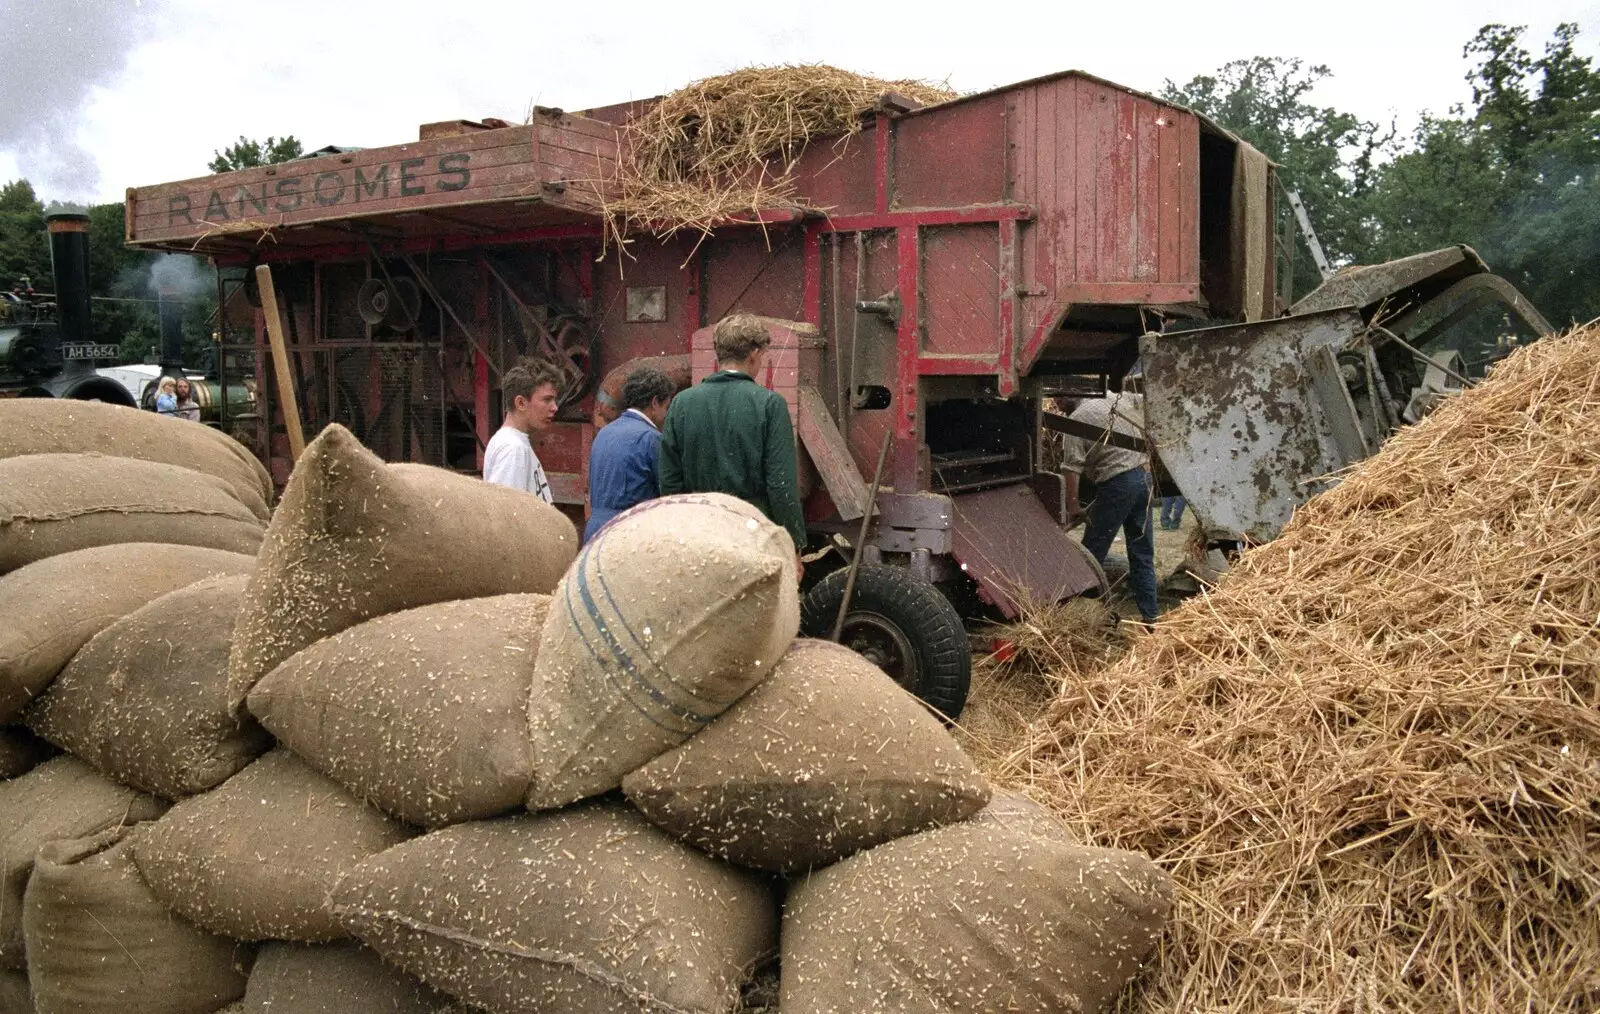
(511, 775)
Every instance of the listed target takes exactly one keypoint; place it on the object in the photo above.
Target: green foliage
(24, 248)
(1516, 175)
(248, 153)
(1325, 155)
(123, 309)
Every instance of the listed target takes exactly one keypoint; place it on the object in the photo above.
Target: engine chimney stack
(69, 263)
(169, 308)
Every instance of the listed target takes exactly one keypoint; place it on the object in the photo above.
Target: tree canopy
(247, 153)
(1515, 174)
(24, 249)
(1327, 156)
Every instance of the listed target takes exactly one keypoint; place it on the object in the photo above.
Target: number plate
(89, 351)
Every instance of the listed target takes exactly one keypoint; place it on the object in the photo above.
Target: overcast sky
(100, 95)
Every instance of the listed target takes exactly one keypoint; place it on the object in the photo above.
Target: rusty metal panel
(1008, 542)
(1365, 285)
(952, 157)
(1247, 419)
(961, 289)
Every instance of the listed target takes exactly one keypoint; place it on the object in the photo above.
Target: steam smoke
(55, 52)
(180, 274)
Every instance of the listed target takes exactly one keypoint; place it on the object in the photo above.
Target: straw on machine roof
(726, 146)
(1371, 756)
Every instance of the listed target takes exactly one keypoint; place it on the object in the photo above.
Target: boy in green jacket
(728, 434)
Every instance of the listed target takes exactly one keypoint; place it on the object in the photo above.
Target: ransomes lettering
(412, 177)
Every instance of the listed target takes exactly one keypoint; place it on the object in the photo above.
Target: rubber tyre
(895, 599)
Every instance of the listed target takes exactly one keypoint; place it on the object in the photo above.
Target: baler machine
(940, 277)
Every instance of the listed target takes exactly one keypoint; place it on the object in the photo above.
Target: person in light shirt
(529, 391)
(1123, 490)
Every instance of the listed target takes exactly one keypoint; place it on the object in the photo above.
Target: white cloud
(368, 73)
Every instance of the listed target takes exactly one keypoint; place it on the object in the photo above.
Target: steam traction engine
(45, 345)
(976, 259)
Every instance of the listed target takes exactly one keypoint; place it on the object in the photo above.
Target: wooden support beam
(280, 361)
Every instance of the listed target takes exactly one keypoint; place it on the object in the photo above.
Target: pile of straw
(1371, 756)
(725, 147)
(1046, 646)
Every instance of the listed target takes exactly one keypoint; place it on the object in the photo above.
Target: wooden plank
(1169, 260)
(961, 283)
(1191, 199)
(356, 188)
(1129, 293)
(598, 129)
(1049, 253)
(577, 142)
(1147, 193)
(328, 195)
(503, 183)
(1063, 234)
(280, 362)
(1091, 154)
(477, 141)
(376, 182)
(1023, 168)
(821, 438)
(1124, 163)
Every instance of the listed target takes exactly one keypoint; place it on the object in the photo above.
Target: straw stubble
(1370, 757)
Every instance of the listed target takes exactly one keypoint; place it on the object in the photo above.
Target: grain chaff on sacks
(825, 757)
(341, 978)
(254, 858)
(99, 942)
(57, 503)
(50, 609)
(1013, 811)
(971, 918)
(587, 909)
(423, 713)
(666, 618)
(146, 700)
(61, 799)
(354, 538)
(70, 426)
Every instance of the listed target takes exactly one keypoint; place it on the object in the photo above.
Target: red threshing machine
(974, 260)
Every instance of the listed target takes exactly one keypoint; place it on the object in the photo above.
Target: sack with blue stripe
(665, 619)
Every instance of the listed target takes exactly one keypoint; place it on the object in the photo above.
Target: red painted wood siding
(1114, 178)
(951, 157)
(961, 289)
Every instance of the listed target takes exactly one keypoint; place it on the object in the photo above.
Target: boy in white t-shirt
(529, 390)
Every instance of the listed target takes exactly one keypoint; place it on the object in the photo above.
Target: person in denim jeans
(1172, 512)
(1123, 491)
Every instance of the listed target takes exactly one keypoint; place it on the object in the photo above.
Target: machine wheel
(901, 624)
